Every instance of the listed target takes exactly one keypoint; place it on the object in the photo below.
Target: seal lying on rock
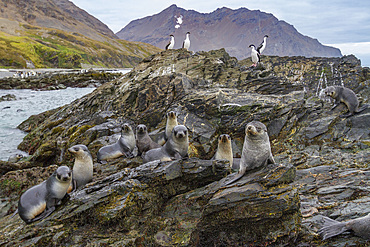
(345, 95)
(224, 149)
(82, 172)
(170, 124)
(40, 200)
(175, 148)
(143, 140)
(14, 158)
(360, 226)
(256, 149)
(124, 146)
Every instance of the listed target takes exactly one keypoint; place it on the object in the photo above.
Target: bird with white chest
(171, 44)
(186, 43)
(254, 55)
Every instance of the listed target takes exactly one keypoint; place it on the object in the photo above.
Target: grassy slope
(46, 47)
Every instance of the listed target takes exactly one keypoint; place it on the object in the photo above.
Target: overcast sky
(343, 24)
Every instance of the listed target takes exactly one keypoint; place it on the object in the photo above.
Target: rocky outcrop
(53, 81)
(155, 205)
(232, 29)
(323, 158)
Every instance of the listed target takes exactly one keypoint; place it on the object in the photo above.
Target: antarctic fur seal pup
(14, 158)
(360, 226)
(143, 140)
(175, 148)
(170, 124)
(345, 95)
(224, 149)
(256, 149)
(124, 146)
(83, 168)
(40, 200)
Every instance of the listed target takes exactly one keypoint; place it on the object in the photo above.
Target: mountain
(56, 33)
(233, 30)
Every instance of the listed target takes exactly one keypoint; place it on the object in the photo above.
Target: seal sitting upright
(83, 168)
(224, 149)
(40, 200)
(143, 140)
(345, 95)
(256, 149)
(175, 148)
(124, 146)
(170, 124)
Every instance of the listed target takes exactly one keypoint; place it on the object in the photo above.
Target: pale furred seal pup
(40, 200)
(256, 149)
(175, 148)
(360, 226)
(124, 146)
(83, 168)
(345, 95)
(143, 140)
(14, 158)
(224, 149)
(170, 124)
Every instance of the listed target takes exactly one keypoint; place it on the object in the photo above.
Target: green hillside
(50, 48)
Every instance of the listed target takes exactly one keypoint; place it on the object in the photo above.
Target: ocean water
(27, 103)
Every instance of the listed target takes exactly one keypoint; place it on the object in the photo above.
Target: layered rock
(213, 94)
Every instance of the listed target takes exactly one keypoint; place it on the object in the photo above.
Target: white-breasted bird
(254, 55)
(186, 43)
(262, 46)
(171, 43)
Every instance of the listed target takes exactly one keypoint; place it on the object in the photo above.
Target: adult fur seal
(360, 226)
(124, 146)
(256, 149)
(224, 149)
(175, 148)
(143, 140)
(345, 95)
(40, 200)
(82, 172)
(170, 124)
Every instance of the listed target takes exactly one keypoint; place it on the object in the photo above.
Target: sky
(343, 24)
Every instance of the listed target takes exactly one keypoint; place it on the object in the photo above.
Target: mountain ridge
(226, 28)
(51, 33)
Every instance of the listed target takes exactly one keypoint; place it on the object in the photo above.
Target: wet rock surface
(323, 158)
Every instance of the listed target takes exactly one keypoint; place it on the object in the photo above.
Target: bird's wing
(168, 45)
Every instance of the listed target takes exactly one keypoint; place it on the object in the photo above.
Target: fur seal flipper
(83, 168)
(256, 149)
(124, 146)
(345, 95)
(360, 226)
(40, 200)
(175, 148)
